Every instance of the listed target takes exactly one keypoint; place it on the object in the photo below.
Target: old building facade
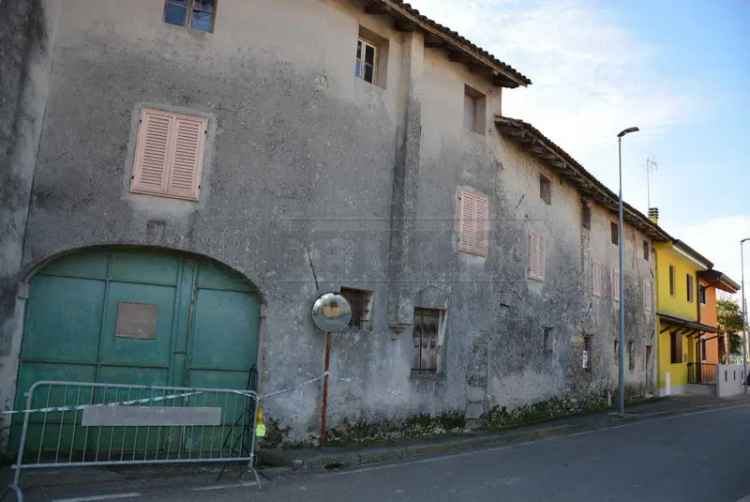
(249, 155)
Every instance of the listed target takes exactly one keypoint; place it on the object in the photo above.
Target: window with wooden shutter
(597, 279)
(536, 256)
(426, 335)
(648, 299)
(615, 283)
(169, 154)
(473, 215)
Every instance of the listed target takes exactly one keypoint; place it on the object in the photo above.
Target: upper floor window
(360, 302)
(197, 14)
(370, 57)
(615, 281)
(598, 277)
(586, 216)
(545, 189)
(646, 251)
(689, 284)
(537, 258)
(702, 294)
(474, 110)
(671, 280)
(169, 154)
(614, 233)
(473, 214)
(426, 334)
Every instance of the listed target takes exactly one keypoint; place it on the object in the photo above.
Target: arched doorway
(139, 316)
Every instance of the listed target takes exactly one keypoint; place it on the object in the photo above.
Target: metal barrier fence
(73, 424)
(701, 373)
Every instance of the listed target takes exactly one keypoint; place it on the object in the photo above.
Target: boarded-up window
(426, 339)
(169, 154)
(545, 189)
(136, 320)
(360, 302)
(675, 347)
(473, 216)
(598, 274)
(648, 297)
(615, 281)
(537, 259)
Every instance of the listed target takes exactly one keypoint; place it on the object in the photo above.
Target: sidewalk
(56, 483)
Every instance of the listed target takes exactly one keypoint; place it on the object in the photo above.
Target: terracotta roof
(529, 138)
(460, 49)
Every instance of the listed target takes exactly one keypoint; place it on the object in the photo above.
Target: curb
(285, 461)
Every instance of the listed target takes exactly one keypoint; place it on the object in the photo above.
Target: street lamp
(744, 314)
(621, 285)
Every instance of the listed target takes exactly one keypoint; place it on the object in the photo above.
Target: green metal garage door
(139, 316)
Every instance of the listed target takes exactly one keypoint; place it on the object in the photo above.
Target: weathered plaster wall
(311, 170)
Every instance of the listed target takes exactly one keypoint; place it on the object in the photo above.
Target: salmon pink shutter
(151, 158)
(482, 224)
(473, 214)
(186, 155)
(169, 154)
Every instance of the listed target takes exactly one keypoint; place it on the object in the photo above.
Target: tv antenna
(651, 167)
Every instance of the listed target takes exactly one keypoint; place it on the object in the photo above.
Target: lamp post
(621, 285)
(744, 314)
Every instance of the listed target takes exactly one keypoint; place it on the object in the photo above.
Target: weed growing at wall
(500, 417)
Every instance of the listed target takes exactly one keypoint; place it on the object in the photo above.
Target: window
(671, 280)
(169, 155)
(646, 251)
(648, 299)
(702, 294)
(675, 347)
(615, 283)
(703, 349)
(426, 339)
(586, 355)
(361, 303)
(615, 233)
(689, 284)
(617, 353)
(548, 341)
(366, 61)
(647, 362)
(473, 215)
(475, 105)
(545, 189)
(536, 256)
(631, 356)
(598, 275)
(586, 216)
(197, 14)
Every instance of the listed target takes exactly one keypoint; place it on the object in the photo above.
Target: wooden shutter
(615, 283)
(152, 152)
(541, 261)
(536, 256)
(187, 156)
(473, 222)
(169, 154)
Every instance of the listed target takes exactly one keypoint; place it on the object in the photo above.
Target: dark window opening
(617, 353)
(548, 341)
(545, 189)
(586, 216)
(586, 356)
(646, 251)
(671, 280)
(615, 232)
(702, 294)
(426, 339)
(360, 302)
(631, 356)
(689, 283)
(675, 347)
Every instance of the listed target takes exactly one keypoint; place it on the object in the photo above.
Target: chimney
(653, 214)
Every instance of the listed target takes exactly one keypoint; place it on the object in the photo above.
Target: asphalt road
(701, 456)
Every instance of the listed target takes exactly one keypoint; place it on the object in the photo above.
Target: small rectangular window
(426, 333)
(675, 347)
(169, 154)
(615, 233)
(548, 341)
(648, 299)
(704, 351)
(475, 110)
(586, 216)
(615, 281)
(631, 356)
(671, 280)
(197, 14)
(473, 223)
(366, 60)
(598, 279)
(537, 258)
(689, 284)
(646, 251)
(545, 189)
(360, 302)
(586, 355)
(617, 353)
(702, 293)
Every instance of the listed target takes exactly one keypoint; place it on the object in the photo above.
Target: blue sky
(678, 70)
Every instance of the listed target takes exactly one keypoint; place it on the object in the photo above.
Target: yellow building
(679, 325)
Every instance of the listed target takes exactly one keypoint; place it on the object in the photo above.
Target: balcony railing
(702, 373)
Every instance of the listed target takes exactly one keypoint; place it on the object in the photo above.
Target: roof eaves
(692, 252)
(504, 74)
(545, 149)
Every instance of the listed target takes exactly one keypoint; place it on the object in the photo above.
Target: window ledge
(426, 375)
